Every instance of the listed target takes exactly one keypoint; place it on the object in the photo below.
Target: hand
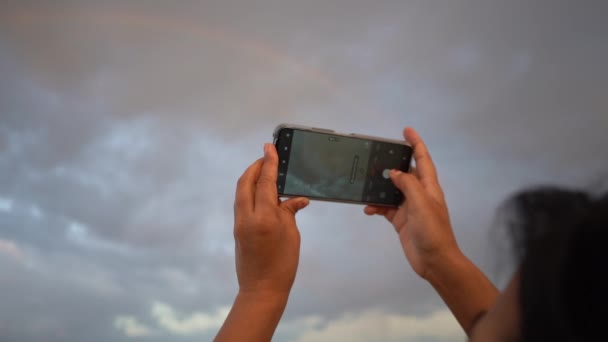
(267, 238)
(422, 221)
(267, 248)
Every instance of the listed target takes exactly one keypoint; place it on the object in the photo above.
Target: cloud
(9, 248)
(169, 321)
(132, 327)
(193, 323)
(376, 325)
(6, 204)
(360, 326)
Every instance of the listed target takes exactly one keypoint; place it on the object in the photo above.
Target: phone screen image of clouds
(326, 168)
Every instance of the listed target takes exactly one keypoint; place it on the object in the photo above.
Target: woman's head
(560, 292)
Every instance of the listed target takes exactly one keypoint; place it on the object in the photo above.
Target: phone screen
(341, 168)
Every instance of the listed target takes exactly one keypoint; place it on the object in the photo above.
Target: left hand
(267, 238)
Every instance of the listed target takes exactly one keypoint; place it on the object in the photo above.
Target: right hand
(422, 221)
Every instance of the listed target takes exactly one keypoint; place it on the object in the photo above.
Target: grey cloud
(72, 289)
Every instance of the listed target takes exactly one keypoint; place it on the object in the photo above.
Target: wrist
(254, 316)
(444, 264)
(268, 299)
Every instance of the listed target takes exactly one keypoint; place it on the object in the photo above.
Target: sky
(124, 126)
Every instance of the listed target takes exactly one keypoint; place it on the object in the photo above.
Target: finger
(389, 213)
(424, 164)
(374, 210)
(293, 205)
(245, 188)
(266, 192)
(408, 184)
(369, 210)
(414, 171)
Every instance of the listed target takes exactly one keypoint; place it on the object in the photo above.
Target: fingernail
(395, 172)
(265, 148)
(303, 203)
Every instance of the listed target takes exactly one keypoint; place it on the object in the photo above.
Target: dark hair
(561, 239)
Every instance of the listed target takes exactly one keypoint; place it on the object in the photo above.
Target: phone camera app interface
(385, 156)
(336, 167)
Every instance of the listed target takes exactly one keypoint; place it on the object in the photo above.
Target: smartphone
(325, 165)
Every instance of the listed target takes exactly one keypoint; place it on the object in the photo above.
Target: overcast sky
(124, 126)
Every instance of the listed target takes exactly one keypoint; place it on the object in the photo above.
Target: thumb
(407, 183)
(293, 205)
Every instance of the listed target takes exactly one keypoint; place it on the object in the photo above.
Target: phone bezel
(329, 131)
(279, 127)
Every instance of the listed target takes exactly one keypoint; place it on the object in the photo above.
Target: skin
(425, 232)
(501, 322)
(267, 246)
(267, 249)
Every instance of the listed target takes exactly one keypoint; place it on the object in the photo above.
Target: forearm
(464, 288)
(253, 317)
